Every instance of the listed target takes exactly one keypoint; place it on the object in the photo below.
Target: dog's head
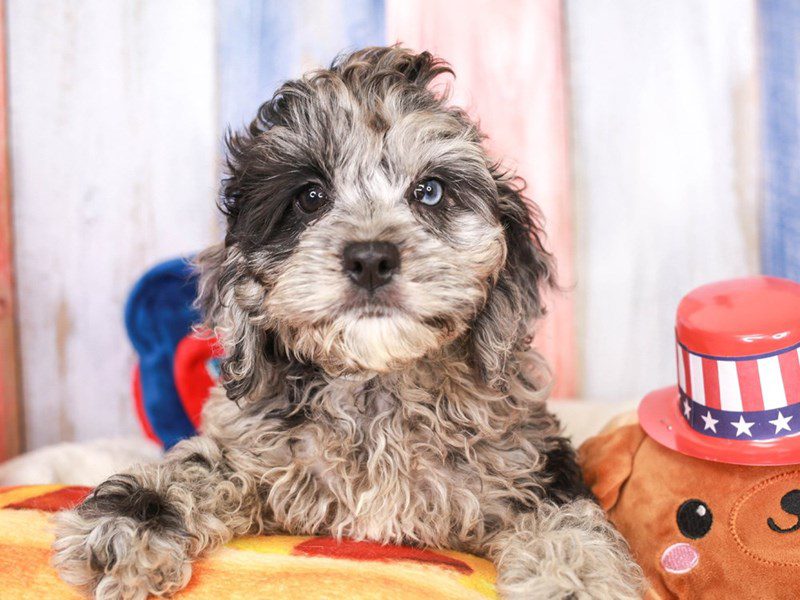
(368, 228)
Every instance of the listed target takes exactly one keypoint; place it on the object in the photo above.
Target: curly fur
(411, 415)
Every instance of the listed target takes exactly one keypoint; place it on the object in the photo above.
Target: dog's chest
(381, 471)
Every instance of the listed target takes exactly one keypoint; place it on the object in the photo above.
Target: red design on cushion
(64, 498)
(329, 547)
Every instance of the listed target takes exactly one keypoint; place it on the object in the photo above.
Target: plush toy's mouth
(679, 558)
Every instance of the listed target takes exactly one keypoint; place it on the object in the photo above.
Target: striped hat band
(750, 398)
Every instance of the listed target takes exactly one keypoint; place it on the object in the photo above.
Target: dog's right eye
(311, 199)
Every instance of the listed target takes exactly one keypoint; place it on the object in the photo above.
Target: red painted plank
(510, 68)
(10, 429)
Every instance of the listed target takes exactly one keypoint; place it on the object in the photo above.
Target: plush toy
(176, 368)
(706, 487)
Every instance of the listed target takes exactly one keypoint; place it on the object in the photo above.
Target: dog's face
(366, 225)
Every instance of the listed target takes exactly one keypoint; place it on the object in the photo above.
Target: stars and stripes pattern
(754, 398)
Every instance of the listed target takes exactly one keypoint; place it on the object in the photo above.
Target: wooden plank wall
(510, 73)
(264, 42)
(114, 137)
(665, 134)
(635, 122)
(10, 399)
(779, 28)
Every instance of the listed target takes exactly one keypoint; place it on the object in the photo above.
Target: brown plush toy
(706, 486)
(699, 529)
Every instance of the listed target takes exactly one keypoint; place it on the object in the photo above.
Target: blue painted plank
(261, 43)
(779, 22)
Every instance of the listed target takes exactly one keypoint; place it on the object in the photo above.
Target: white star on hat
(709, 422)
(687, 409)
(782, 422)
(743, 426)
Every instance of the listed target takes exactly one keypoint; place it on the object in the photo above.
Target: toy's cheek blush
(679, 558)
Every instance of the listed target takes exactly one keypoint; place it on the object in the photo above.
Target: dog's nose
(371, 264)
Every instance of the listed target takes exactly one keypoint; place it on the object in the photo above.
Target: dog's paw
(119, 557)
(566, 552)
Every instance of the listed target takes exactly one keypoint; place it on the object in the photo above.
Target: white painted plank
(665, 152)
(114, 140)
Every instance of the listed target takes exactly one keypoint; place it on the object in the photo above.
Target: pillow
(254, 567)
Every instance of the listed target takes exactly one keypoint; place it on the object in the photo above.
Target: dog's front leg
(138, 532)
(568, 551)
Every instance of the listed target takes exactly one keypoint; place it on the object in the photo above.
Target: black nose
(371, 264)
(790, 502)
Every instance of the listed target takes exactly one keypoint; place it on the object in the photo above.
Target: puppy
(373, 294)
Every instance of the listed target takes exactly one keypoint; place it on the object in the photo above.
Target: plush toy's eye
(694, 519)
(429, 192)
(311, 198)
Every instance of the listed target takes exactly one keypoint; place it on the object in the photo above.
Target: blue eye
(429, 192)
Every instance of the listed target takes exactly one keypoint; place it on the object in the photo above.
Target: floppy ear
(501, 328)
(225, 294)
(607, 462)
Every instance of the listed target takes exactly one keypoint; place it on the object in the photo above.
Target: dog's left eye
(429, 192)
(311, 198)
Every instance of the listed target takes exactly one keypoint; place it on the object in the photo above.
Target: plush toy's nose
(790, 502)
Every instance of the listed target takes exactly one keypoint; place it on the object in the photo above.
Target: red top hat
(738, 394)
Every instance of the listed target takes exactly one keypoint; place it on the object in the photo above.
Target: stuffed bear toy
(699, 528)
(706, 485)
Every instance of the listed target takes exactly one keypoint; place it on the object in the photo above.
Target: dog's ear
(209, 264)
(225, 293)
(501, 328)
(607, 461)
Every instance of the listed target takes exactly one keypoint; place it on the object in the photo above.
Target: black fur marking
(564, 474)
(122, 496)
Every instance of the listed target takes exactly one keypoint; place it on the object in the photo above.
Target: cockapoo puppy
(373, 294)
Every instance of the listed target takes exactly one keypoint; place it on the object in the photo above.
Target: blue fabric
(158, 315)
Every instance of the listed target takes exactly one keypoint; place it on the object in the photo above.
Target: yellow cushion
(251, 567)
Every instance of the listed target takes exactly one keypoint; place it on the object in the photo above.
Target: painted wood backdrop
(10, 396)
(114, 152)
(665, 120)
(780, 87)
(660, 139)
